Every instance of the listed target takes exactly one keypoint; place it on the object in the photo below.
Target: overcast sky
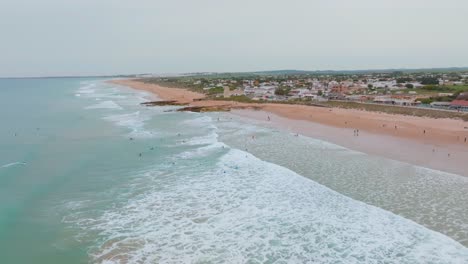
(82, 37)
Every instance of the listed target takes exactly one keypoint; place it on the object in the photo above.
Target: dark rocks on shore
(162, 103)
(217, 108)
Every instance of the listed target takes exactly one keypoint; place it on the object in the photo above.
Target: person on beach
(268, 118)
(424, 132)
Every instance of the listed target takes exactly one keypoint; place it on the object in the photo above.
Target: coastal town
(448, 91)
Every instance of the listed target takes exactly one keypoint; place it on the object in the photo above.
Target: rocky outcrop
(163, 103)
(216, 108)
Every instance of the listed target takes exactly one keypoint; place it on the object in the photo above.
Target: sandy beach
(433, 143)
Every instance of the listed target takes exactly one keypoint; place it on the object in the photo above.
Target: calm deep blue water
(87, 175)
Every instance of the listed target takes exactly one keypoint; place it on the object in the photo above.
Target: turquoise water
(87, 175)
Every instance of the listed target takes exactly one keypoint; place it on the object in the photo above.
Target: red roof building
(459, 103)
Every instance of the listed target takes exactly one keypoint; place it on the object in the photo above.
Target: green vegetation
(429, 80)
(404, 79)
(282, 91)
(216, 90)
(434, 89)
(239, 98)
(445, 98)
(425, 100)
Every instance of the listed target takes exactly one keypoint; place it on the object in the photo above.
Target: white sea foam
(202, 151)
(105, 105)
(211, 138)
(247, 210)
(87, 89)
(13, 164)
(135, 122)
(198, 121)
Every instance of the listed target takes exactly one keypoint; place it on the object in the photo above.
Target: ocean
(88, 175)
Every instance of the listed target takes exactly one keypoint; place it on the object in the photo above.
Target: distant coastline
(433, 143)
(261, 72)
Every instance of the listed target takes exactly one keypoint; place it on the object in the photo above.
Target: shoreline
(385, 146)
(433, 143)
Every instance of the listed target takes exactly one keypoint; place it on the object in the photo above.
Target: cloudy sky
(82, 37)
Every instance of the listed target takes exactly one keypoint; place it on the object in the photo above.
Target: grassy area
(239, 98)
(445, 88)
(434, 90)
(216, 90)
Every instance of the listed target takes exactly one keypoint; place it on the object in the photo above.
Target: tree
(282, 91)
(425, 100)
(429, 80)
(403, 80)
(409, 86)
(320, 93)
(370, 86)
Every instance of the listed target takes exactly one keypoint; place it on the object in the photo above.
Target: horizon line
(225, 72)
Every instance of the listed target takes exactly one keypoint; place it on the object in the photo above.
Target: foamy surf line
(105, 105)
(245, 209)
(13, 164)
(258, 211)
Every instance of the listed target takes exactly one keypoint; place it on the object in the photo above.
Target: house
(416, 84)
(404, 102)
(445, 94)
(340, 89)
(385, 84)
(383, 100)
(228, 93)
(440, 104)
(299, 92)
(461, 102)
(359, 98)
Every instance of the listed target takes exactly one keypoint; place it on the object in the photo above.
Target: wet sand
(434, 156)
(428, 142)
